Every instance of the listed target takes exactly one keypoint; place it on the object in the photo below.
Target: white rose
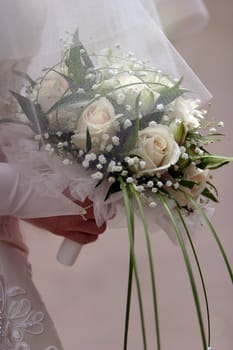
(148, 96)
(192, 173)
(160, 79)
(187, 111)
(157, 147)
(52, 89)
(98, 118)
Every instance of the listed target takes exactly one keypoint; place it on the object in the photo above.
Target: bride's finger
(81, 237)
(89, 227)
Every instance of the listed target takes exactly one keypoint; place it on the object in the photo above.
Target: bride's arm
(20, 199)
(26, 323)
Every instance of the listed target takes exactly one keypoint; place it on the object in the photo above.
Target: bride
(30, 34)
(24, 321)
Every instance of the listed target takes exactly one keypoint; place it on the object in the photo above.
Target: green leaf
(33, 112)
(129, 137)
(114, 188)
(75, 99)
(188, 184)
(25, 76)
(75, 66)
(88, 141)
(155, 116)
(179, 132)
(204, 138)
(208, 194)
(183, 163)
(77, 43)
(78, 61)
(169, 94)
(213, 188)
(212, 161)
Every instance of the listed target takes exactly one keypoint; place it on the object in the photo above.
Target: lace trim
(17, 318)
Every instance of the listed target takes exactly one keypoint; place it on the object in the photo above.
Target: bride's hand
(20, 199)
(78, 228)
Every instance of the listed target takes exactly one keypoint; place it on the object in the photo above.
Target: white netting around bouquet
(134, 24)
(102, 24)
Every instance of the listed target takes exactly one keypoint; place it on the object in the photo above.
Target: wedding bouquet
(129, 134)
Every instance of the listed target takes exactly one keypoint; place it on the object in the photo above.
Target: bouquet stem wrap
(68, 252)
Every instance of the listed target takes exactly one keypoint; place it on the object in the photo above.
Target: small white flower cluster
(135, 162)
(212, 128)
(184, 154)
(186, 111)
(149, 188)
(89, 157)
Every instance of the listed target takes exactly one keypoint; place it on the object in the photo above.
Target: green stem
(129, 289)
(200, 272)
(128, 201)
(128, 303)
(120, 71)
(212, 229)
(120, 58)
(189, 268)
(151, 264)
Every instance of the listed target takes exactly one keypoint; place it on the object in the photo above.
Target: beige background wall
(87, 301)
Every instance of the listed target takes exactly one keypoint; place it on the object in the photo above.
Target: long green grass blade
(188, 267)
(200, 272)
(213, 231)
(128, 303)
(130, 280)
(151, 264)
(128, 209)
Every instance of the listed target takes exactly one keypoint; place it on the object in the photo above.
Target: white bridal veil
(31, 28)
(181, 18)
(136, 24)
(27, 25)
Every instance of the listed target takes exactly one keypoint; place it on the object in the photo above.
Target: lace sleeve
(24, 321)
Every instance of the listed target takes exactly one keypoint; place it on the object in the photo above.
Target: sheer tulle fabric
(27, 25)
(20, 24)
(136, 26)
(28, 182)
(180, 18)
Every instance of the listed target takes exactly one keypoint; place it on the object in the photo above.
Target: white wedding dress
(26, 28)
(24, 321)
